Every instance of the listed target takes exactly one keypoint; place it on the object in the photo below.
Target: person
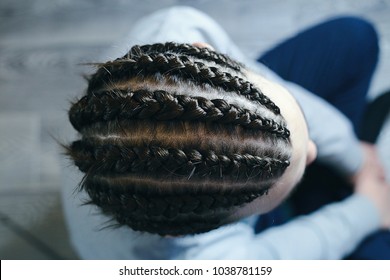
(185, 146)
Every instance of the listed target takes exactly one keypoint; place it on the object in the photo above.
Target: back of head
(174, 139)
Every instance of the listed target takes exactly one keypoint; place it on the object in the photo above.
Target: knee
(359, 33)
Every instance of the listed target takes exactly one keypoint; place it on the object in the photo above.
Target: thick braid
(184, 49)
(161, 105)
(140, 199)
(182, 67)
(149, 160)
(163, 213)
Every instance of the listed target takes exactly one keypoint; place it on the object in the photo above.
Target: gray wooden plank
(32, 227)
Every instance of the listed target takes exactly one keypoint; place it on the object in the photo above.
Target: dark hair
(174, 138)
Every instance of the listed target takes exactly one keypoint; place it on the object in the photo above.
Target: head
(177, 139)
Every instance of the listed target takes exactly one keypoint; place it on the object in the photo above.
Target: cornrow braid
(133, 198)
(161, 106)
(163, 213)
(148, 160)
(180, 66)
(163, 150)
(183, 49)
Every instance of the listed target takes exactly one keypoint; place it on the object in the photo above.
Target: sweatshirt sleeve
(330, 233)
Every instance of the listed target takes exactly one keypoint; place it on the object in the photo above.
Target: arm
(330, 233)
(340, 226)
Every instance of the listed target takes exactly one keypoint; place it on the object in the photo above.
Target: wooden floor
(43, 43)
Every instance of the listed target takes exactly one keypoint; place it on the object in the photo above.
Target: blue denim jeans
(334, 60)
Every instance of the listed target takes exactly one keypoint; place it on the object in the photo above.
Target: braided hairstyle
(174, 138)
